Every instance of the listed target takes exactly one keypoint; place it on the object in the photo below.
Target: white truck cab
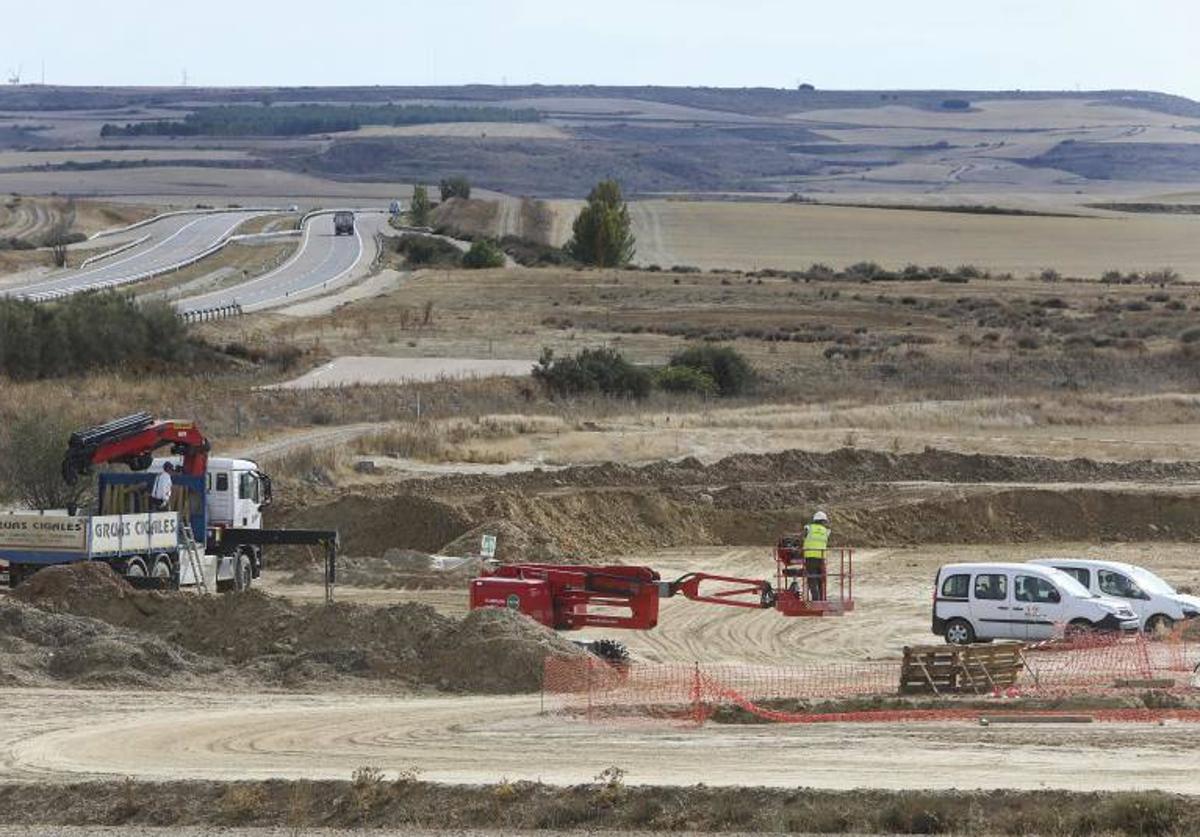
(986, 601)
(237, 493)
(1156, 603)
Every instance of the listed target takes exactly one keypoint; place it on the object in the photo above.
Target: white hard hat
(820, 517)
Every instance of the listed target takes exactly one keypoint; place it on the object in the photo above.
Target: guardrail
(217, 312)
(177, 212)
(90, 260)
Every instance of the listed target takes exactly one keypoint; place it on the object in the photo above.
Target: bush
(723, 364)
(592, 370)
(483, 253)
(685, 379)
(88, 332)
(455, 187)
(31, 450)
(424, 251)
(956, 104)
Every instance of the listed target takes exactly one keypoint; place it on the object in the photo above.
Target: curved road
(173, 241)
(323, 261)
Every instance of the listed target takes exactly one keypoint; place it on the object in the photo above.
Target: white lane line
(192, 303)
(327, 282)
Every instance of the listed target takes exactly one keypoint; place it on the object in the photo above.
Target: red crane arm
(133, 440)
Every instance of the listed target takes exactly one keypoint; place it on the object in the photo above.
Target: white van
(986, 601)
(1155, 602)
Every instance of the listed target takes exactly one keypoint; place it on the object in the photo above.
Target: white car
(1156, 603)
(986, 601)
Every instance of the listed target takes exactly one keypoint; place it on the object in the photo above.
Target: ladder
(195, 557)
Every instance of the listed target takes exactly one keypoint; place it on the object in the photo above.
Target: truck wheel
(959, 632)
(136, 568)
(162, 570)
(243, 573)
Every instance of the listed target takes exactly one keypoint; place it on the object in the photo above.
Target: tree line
(297, 120)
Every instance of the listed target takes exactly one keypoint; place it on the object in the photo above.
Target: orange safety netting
(1090, 665)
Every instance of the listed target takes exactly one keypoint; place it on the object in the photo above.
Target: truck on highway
(210, 536)
(343, 223)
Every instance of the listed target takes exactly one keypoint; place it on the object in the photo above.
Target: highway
(172, 241)
(322, 262)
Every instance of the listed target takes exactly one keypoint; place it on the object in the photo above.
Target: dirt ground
(68, 736)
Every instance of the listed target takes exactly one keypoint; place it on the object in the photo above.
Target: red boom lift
(568, 598)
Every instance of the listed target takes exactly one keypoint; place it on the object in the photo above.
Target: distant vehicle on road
(343, 223)
(395, 208)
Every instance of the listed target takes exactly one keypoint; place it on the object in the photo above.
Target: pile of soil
(42, 649)
(846, 465)
(281, 643)
(513, 543)
(373, 524)
(877, 498)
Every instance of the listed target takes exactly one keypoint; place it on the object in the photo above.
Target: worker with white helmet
(816, 544)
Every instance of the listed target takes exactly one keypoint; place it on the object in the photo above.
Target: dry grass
(370, 801)
(750, 236)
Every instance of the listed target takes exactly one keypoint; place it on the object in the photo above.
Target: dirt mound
(46, 649)
(848, 465)
(513, 543)
(497, 651)
(288, 644)
(373, 524)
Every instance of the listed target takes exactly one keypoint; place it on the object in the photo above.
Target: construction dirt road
(68, 736)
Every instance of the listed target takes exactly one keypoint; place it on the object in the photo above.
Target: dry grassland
(1000, 114)
(758, 235)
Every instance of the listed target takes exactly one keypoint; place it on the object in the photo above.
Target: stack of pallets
(958, 669)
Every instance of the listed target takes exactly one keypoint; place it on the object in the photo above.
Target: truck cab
(235, 494)
(343, 223)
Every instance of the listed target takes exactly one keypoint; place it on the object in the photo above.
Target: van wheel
(1078, 627)
(959, 632)
(1159, 623)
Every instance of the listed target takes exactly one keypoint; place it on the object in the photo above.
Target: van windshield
(1068, 584)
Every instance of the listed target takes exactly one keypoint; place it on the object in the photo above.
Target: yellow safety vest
(816, 539)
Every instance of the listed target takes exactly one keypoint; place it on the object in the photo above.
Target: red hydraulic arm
(568, 597)
(132, 441)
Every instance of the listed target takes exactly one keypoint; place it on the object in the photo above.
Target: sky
(849, 44)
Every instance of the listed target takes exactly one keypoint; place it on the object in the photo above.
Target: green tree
(418, 211)
(601, 233)
(455, 187)
(483, 253)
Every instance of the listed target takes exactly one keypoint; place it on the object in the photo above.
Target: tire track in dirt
(474, 740)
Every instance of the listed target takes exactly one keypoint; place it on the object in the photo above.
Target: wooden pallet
(957, 669)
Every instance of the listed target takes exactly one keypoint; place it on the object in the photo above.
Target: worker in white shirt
(160, 495)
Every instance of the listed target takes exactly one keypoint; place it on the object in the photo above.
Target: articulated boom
(133, 440)
(568, 597)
